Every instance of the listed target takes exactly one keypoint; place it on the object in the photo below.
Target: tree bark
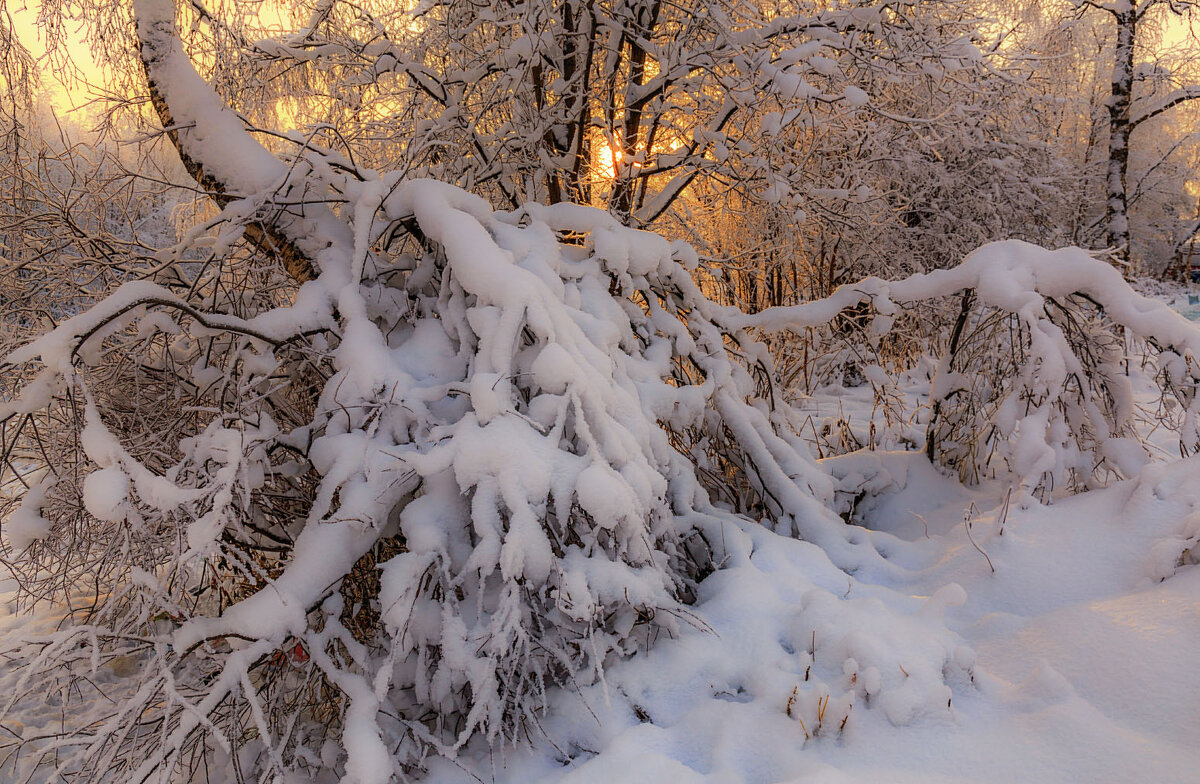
(1119, 129)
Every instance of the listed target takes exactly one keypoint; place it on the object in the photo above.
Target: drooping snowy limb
(1061, 399)
(291, 219)
(59, 347)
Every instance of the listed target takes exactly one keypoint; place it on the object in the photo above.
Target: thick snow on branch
(1014, 276)
(226, 160)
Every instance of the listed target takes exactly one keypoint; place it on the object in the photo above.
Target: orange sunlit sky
(62, 95)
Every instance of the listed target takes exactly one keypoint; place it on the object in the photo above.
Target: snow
(106, 494)
(1027, 282)
(856, 96)
(211, 132)
(605, 548)
(512, 409)
(1073, 662)
(26, 525)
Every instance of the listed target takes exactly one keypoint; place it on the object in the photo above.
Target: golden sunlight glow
(605, 158)
(609, 156)
(62, 93)
(616, 156)
(74, 92)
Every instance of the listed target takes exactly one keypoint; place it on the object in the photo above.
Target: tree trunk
(1119, 128)
(214, 145)
(632, 139)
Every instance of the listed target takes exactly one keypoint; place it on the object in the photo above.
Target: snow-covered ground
(1073, 661)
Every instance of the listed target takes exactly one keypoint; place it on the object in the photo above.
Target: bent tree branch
(196, 121)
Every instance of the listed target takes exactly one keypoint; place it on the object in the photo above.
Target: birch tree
(1138, 94)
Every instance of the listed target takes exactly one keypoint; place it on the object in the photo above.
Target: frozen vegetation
(947, 633)
(358, 476)
(603, 547)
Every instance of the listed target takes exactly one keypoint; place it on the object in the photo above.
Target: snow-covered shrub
(1031, 384)
(1172, 553)
(1037, 397)
(470, 460)
(478, 455)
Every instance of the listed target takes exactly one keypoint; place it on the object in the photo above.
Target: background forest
(797, 148)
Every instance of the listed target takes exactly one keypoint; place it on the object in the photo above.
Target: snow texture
(511, 407)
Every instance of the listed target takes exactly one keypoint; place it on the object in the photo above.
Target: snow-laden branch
(1143, 113)
(60, 346)
(1069, 389)
(1013, 276)
(224, 159)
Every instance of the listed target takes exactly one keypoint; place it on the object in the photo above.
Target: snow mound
(790, 659)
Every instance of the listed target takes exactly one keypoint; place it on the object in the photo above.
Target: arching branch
(214, 145)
